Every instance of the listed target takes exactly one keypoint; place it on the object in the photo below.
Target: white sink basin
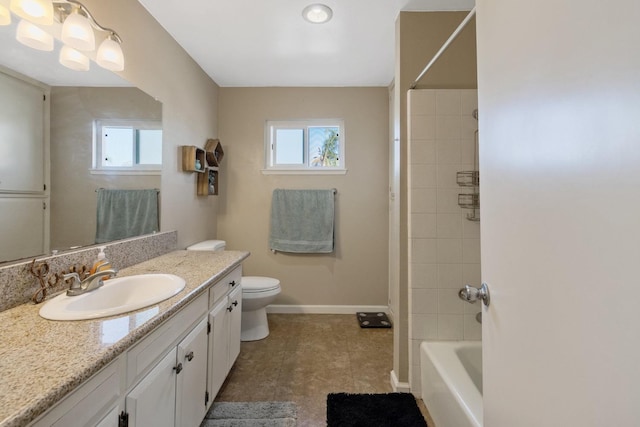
(118, 295)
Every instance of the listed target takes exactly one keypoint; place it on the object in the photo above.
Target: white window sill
(304, 171)
(125, 171)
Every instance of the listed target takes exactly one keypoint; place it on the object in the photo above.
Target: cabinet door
(192, 380)
(21, 136)
(218, 347)
(152, 402)
(22, 227)
(235, 319)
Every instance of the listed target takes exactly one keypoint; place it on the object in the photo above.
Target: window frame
(137, 169)
(270, 147)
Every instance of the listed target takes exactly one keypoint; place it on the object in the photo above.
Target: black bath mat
(373, 320)
(373, 410)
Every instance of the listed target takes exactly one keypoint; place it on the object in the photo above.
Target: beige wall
(73, 197)
(419, 36)
(356, 273)
(157, 64)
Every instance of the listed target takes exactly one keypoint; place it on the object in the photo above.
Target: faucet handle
(74, 276)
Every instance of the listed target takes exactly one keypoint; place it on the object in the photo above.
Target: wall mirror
(64, 213)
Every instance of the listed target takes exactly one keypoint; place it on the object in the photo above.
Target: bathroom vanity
(161, 365)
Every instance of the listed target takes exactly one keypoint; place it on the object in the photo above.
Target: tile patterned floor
(307, 356)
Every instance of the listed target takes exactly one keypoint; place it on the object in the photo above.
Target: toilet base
(254, 325)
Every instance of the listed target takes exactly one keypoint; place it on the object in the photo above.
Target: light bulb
(36, 11)
(77, 32)
(110, 55)
(33, 36)
(71, 58)
(5, 16)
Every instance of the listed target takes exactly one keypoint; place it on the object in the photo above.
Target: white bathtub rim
(468, 397)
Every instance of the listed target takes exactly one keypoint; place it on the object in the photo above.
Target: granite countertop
(41, 360)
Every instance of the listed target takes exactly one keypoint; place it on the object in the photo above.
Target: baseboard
(397, 386)
(325, 309)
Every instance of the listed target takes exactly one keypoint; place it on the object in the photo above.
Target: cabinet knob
(235, 303)
(230, 308)
(189, 356)
(232, 283)
(178, 368)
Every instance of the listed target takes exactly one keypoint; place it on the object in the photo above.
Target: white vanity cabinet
(168, 378)
(224, 339)
(173, 393)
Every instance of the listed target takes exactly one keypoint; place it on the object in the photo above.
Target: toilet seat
(257, 284)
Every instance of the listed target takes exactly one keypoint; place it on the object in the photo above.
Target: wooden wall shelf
(214, 152)
(206, 163)
(208, 183)
(192, 157)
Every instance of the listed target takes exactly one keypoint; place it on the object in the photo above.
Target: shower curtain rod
(444, 47)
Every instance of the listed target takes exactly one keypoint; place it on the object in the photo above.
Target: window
(304, 146)
(127, 146)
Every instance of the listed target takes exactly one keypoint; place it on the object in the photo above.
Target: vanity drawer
(224, 285)
(142, 357)
(88, 403)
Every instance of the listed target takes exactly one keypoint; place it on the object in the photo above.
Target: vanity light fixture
(79, 29)
(5, 16)
(36, 11)
(33, 36)
(71, 58)
(317, 13)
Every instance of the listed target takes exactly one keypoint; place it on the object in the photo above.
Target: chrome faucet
(79, 287)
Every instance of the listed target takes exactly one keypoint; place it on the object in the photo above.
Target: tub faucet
(79, 287)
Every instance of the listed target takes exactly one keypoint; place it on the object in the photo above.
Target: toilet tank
(208, 245)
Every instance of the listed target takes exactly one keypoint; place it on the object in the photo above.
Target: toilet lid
(259, 284)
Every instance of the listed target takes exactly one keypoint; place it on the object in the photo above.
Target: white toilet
(257, 293)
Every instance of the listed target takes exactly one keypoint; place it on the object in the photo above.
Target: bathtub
(451, 374)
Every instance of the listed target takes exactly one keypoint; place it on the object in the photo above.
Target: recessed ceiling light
(317, 13)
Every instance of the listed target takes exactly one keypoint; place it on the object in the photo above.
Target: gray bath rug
(254, 414)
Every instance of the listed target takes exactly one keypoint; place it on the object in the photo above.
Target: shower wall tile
(450, 327)
(423, 152)
(471, 251)
(423, 226)
(468, 100)
(424, 250)
(447, 200)
(423, 200)
(450, 276)
(446, 178)
(472, 329)
(471, 274)
(449, 251)
(425, 326)
(423, 127)
(424, 301)
(449, 226)
(424, 275)
(449, 302)
(442, 143)
(448, 151)
(424, 102)
(470, 229)
(423, 176)
(448, 102)
(467, 151)
(448, 127)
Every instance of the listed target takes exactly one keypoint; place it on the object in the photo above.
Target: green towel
(126, 213)
(302, 221)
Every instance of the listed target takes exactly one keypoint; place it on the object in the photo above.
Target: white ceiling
(268, 43)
